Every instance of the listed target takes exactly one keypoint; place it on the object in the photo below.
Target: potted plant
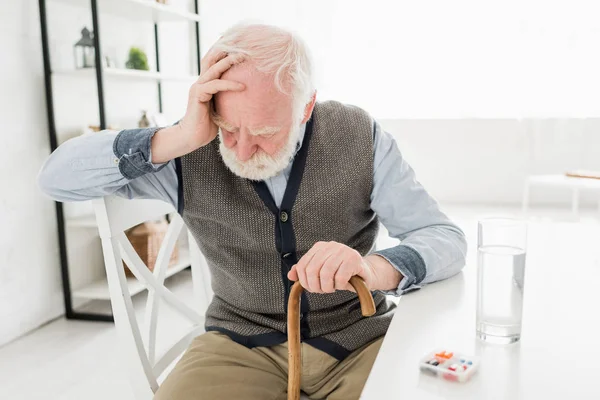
(137, 59)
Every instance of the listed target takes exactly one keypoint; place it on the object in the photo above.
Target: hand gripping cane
(367, 306)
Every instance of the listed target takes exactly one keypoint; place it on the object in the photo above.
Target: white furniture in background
(128, 74)
(138, 341)
(143, 10)
(81, 272)
(575, 185)
(558, 355)
(98, 289)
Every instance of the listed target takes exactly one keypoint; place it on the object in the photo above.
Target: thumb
(293, 274)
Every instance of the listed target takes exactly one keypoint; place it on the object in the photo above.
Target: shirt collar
(286, 171)
(300, 137)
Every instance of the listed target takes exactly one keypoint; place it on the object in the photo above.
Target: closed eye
(221, 123)
(265, 131)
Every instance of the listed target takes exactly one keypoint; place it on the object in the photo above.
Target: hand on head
(197, 125)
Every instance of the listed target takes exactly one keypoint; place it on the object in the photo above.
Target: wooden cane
(367, 306)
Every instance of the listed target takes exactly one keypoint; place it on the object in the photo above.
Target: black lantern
(84, 50)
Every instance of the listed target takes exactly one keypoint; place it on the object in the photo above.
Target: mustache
(261, 165)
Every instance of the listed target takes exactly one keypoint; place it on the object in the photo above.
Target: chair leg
(141, 378)
(575, 203)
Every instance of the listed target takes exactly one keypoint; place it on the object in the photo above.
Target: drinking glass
(501, 253)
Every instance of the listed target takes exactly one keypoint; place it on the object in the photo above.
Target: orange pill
(444, 354)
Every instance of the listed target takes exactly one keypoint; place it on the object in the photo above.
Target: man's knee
(173, 389)
(215, 367)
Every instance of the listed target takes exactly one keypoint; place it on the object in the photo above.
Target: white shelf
(125, 73)
(82, 222)
(148, 10)
(99, 289)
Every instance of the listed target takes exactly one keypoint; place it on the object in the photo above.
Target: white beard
(261, 166)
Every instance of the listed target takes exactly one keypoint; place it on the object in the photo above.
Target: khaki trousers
(215, 367)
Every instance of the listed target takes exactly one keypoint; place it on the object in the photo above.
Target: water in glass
(501, 271)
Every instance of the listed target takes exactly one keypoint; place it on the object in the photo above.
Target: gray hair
(274, 51)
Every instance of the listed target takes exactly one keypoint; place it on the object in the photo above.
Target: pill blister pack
(449, 365)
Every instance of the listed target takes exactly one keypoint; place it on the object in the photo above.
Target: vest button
(283, 216)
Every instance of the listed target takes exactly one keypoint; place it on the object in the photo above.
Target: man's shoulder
(333, 113)
(333, 108)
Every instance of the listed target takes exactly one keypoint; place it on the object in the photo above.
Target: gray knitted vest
(250, 244)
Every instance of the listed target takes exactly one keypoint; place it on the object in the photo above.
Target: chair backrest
(114, 215)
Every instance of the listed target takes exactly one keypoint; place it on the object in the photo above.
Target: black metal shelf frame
(70, 312)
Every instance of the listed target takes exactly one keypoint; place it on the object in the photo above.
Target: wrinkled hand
(328, 266)
(196, 124)
(196, 128)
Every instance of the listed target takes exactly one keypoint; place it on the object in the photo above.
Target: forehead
(260, 101)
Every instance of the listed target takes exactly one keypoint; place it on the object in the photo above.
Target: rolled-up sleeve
(133, 148)
(431, 246)
(98, 164)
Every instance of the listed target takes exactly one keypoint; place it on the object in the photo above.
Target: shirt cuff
(409, 263)
(133, 148)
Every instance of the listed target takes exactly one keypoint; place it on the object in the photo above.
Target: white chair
(576, 185)
(555, 146)
(138, 344)
(114, 215)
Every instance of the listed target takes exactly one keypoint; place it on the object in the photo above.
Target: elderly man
(291, 190)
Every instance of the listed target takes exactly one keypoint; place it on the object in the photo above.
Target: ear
(309, 108)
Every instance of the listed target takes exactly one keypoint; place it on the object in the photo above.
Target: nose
(246, 147)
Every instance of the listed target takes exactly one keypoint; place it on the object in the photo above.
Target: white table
(574, 184)
(558, 356)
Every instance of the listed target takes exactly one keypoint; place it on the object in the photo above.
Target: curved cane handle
(367, 306)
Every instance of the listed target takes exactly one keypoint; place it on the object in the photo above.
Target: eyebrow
(221, 123)
(265, 130)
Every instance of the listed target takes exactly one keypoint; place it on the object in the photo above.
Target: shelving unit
(134, 10)
(99, 289)
(82, 222)
(146, 10)
(125, 73)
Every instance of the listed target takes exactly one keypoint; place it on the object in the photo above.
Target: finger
(328, 272)
(220, 85)
(304, 260)
(205, 91)
(342, 277)
(293, 274)
(313, 269)
(301, 274)
(216, 70)
(210, 58)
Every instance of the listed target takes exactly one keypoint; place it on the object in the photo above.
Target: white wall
(487, 160)
(30, 291)
(30, 286)
(442, 59)
(451, 85)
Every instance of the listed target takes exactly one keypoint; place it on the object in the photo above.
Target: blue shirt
(99, 164)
